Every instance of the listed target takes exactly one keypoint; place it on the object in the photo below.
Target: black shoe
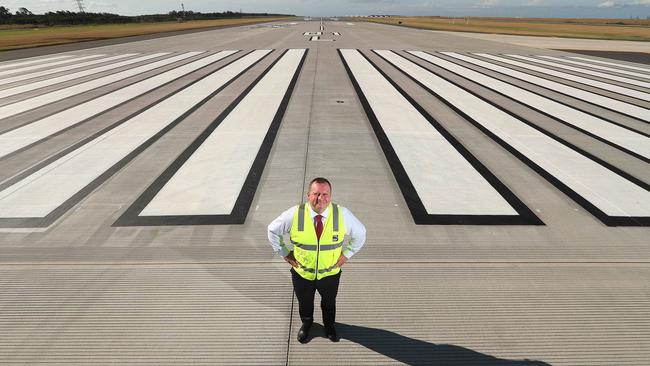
(330, 332)
(303, 333)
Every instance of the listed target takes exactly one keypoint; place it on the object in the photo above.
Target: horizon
(636, 9)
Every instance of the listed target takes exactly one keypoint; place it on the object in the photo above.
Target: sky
(511, 8)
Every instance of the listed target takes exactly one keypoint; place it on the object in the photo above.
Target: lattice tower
(80, 4)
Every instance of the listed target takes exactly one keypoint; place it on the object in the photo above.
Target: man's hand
(341, 261)
(291, 260)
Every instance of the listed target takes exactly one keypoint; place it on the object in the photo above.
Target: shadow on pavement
(416, 352)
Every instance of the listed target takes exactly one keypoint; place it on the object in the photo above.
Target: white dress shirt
(355, 232)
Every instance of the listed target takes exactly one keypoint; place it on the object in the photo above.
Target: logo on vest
(335, 237)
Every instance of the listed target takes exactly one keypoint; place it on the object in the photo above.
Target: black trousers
(305, 290)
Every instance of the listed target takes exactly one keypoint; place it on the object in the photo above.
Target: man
(317, 231)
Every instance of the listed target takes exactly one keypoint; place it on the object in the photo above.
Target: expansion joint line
(293, 301)
(311, 112)
(311, 109)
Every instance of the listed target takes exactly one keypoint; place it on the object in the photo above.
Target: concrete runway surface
(504, 188)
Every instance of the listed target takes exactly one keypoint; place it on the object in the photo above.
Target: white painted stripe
(598, 67)
(579, 79)
(612, 63)
(41, 100)
(41, 192)
(76, 75)
(613, 104)
(445, 181)
(211, 179)
(606, 86)
(618, 135)
(608, 191)
(314, 38)
(62, 68)
(49, 64)
(33, 132)
(31, 61)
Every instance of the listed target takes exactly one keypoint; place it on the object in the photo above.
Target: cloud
(608, 4)
(533, 3)
(486, 3)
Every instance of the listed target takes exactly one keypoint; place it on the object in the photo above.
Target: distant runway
(531, 164)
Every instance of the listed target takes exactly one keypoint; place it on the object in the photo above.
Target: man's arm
(356, 231)
(278, 228)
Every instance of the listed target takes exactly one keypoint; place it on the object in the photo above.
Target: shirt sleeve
(356, 232)
(278, 229)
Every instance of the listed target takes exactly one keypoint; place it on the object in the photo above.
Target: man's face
(319, 196)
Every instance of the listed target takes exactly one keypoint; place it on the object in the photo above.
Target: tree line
(62, 17)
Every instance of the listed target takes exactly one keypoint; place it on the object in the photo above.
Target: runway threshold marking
(34, 85)
(566, 76)
(55, 70)
(23, 63)
(582, 70)
(611, 63)
(599, 67)
(22, 137)
(48, 64)
(630, 141)
(614, 105)
(442, 182)
(214, 180)
(41, 197)
(54, 96)
(609, 194)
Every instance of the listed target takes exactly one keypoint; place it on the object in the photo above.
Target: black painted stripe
(595, 211)
(601, 139)
(240, 210)
(25, 222)
(418, 211)
(84, 141)
(541, 76)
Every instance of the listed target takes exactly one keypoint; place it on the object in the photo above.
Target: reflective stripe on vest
(309, 251)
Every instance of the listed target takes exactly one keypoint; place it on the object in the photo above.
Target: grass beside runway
(11, 39)
(609, 29)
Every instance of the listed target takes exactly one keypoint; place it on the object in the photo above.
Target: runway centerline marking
(33, 75)
(619, 136)
(441, 181)
(44, 99)
(566, 76)
(31, 133)
(612, 198)
(570, 91)
(40, 198)
(206, 183)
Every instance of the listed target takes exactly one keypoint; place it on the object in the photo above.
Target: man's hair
(320, 180)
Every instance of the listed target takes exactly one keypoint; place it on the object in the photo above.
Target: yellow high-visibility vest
(317, 259)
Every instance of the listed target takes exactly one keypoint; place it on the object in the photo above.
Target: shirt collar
(324, 214)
